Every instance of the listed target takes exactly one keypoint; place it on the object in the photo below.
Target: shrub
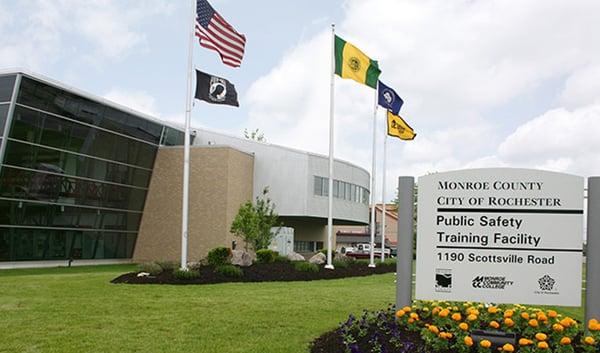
(266, 256)
(186, 274)
(389, 261)
(152, 268)
(229, 271)
(168, 266)
(304, 266)
(281, 258)
(219, 256)
(340, 264)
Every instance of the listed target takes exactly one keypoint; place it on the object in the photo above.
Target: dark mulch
(333, 342)
(277, 271)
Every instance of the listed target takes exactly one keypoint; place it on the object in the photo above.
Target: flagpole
(383, 209)
(373, 181)
(186, 148)
(329, 264)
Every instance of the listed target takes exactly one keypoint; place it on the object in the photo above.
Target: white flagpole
(373, 200)
(186, 148)
(383, 210)
(329, 264)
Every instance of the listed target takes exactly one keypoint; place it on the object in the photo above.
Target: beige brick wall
(221, 180)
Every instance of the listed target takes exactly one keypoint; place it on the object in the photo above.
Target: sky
(491, 83)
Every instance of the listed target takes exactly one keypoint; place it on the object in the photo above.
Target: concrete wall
(221, 179)
(289, 174)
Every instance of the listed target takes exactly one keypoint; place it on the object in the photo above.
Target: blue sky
(485, 83)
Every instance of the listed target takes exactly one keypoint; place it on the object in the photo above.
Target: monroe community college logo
(354, 64)
(217, 90)
(491, 282)
(547, 285)
(443, 280)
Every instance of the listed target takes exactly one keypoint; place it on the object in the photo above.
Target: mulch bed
(277, 271)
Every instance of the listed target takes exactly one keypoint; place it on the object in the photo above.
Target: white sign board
(500, 235)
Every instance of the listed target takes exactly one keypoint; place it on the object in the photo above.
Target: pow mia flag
(215, 90)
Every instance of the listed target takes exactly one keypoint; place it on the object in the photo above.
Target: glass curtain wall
(74, 174)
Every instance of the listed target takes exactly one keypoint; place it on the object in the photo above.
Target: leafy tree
(254, 221)
(255, 135)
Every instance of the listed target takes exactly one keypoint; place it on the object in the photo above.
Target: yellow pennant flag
(399, 128)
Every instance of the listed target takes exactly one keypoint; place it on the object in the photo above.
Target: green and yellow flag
(399, 128)
(352, 63)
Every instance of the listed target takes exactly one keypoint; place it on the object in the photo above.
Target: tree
(255, 135)
(254, 221)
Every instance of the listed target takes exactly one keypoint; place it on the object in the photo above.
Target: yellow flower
(485, 344)
(525, 315)
(463, 326)
(533, 323)
(567, 322)
(508, 313)
(414, 316)
(444, 313)
(456, 317)
(492, 310)
(494, 324)
(509, 322)
(400, 313)
(589, 340)
(436, 310)
(541, 316)
(434, 329)
(593, 325)
(468, 341)
(411, 320)
(552, 314)
(565, 341)
(406, 309)
(472, 317)
(508, 348)
(525, 342)
(558, 328)
(542, 345)
(541, 336)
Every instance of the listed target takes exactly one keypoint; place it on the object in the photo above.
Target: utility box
(283, 242)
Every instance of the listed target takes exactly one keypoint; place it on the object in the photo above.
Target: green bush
(219, 256)
(340, 264)
(304, 266)
(281, 258)
(229, 271)
(168, 266)
(266, 256)
(152, 268)
(389, 261)
(186, 274)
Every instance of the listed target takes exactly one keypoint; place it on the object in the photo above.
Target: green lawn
(78, 310)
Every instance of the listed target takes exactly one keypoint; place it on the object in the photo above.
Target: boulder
(318, 258)
(143, 274)
(342, 257)
(294, 256)
(241, 258)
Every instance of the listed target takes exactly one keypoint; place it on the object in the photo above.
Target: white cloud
(136, 100)
(456, 64)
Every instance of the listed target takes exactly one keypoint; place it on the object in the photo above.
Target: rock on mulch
(277, 271)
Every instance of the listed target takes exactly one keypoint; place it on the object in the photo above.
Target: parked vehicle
(363, 251)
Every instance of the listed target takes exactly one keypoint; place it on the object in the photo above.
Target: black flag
(215, 90)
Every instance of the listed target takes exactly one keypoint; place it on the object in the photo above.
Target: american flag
(216, 34)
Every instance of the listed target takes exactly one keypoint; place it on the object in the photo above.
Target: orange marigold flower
(444, 313)
(472, 317)
(400, 313)
(542, 345)
(541, 316)
(589, 340)
(456, 317)
(485, 344)
(434, 329)
(552, 314)
(509, 322)
(411, 320)
(406, 309)
(492, 310)
(508, 348)
(414, 316)
(436, 310)
(468, 341)
(463, 326)
(508, 313)
(494, 324)
(593, 325)
(558, 328)
(567, 322)
(533, 323)
(541, 336)
(525, 342)
(525, 315)
(565, 341)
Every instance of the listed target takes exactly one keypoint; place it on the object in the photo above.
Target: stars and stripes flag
(216, 34)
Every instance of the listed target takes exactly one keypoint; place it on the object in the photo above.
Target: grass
(78, 310)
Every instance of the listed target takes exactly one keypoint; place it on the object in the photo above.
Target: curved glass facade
(74, 173)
